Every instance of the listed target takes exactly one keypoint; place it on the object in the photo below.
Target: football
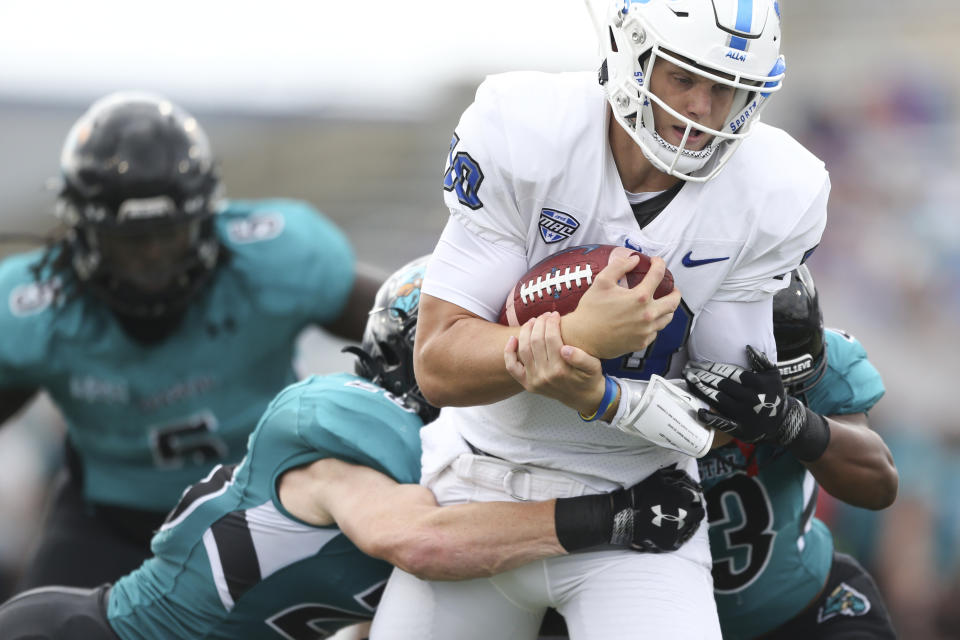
(558, 282)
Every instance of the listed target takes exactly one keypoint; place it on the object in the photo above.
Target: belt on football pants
(520, 482)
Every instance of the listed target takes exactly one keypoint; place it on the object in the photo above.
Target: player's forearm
(474, 540)
(857, 466)
(463, 365)
(403, 525)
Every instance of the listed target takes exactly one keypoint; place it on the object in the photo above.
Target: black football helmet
(140, 189)
(385, 356)
(798, 329)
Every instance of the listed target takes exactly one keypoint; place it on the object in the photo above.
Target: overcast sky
(283, 53)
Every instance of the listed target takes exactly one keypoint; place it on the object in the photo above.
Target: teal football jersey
(148, 420)
(231, 562)
(770, 555)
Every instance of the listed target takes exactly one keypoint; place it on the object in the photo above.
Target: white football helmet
(738, 40)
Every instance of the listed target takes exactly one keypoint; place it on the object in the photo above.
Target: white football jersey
(530, 173)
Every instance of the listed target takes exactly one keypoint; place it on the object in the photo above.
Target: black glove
(658, 514)
(753, 405)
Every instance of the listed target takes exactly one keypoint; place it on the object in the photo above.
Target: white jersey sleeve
(724, 329)
(477, 177)
(471, 272)
(506, 152)
(792, 216)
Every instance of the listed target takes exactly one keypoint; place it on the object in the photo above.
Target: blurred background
(351, 107)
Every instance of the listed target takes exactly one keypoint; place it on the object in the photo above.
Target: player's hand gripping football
(752, 405)
(611, 320)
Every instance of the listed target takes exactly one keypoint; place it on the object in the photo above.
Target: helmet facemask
(146, 269)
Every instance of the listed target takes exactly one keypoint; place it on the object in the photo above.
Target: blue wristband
(609, 393)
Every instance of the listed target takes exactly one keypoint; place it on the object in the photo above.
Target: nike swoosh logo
(690, 262)
(630, 245)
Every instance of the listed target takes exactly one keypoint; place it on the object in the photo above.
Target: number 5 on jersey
(189, 440)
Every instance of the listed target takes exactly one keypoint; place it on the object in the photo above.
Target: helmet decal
(385, 356)
(406, 298)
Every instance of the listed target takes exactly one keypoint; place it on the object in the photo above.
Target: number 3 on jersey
(640, 365)
(741, 531)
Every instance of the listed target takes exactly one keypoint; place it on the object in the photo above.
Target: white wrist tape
(664, 414)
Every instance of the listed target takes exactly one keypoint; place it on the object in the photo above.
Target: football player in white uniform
(541, 162)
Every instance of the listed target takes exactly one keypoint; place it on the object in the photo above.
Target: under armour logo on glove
(659, 516)
(622, 517)
(672, 496)
(762, 397)
(749, 404)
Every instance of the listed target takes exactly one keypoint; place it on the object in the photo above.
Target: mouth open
(694, 140)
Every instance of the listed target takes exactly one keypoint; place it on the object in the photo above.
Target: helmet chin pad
(676, 158)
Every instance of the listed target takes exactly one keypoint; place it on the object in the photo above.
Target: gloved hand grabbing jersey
(753, 406)
(658, 514)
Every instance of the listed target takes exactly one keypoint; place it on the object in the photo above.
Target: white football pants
(603, 595)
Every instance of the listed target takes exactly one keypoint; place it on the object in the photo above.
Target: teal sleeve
(26, 323)
(357, 422)
(300, 261)
(851, 384)
(332, 272)
(866, 388)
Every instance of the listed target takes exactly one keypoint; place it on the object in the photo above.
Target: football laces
(553, 284)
